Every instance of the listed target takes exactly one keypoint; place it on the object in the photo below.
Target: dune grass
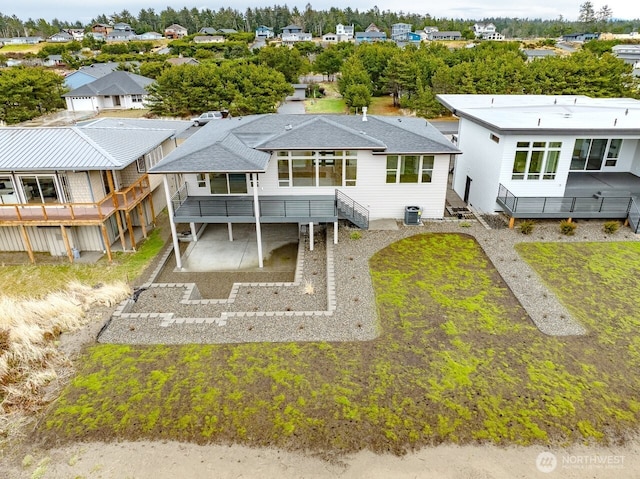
(458, 361)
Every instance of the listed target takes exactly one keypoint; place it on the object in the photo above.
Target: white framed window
(410, 168)
(141, 164)
(136, 98)
(201, 180)
(317, 168)
(536, 160)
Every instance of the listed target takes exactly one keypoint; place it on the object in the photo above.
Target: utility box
(412, 215)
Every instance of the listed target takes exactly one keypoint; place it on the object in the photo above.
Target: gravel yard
(300, 312)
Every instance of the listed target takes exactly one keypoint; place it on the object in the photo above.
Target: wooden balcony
(75, 214)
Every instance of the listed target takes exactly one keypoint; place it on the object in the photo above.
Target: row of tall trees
(413, 76)
(319, 22)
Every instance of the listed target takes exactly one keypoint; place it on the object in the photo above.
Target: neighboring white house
(263, 32)
(545, 156)
(117, 90)
(309, 169)
(345, 33)
(175, 31)
(292, 34)
(66, 190)
(481, 30)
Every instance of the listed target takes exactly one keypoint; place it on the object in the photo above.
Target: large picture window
(593, 154)
(409, 169)
(227, 183)
(317, 168)
(536, 160)
(40, 189)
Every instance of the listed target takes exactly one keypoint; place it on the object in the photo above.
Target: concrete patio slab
(214, 252)
(383, 224)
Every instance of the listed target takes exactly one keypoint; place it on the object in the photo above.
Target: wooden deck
(70, 214)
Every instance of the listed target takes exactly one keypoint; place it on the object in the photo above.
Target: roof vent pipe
(538, 121)
(615, 122)
(364, 113)
(626, 112)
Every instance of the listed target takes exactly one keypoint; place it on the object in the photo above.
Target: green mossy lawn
(458, 360)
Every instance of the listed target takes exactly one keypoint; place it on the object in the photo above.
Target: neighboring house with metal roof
(61, 37)
(545, 156)
(82, 188)
(118, 90)
(309, 169)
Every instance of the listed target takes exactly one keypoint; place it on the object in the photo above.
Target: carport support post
(256, 208)
(230, 228)
(194, 233)
(311, 236)
(335, 232)
(174, 232)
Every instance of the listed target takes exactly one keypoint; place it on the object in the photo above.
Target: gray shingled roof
(114, 83)
(244, 144)
(79, 148)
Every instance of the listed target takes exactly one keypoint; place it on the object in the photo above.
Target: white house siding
(383, 200)
(481, 160)
(490, 164)
(553, 187)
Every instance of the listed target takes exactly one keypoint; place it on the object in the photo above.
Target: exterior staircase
(348, 209)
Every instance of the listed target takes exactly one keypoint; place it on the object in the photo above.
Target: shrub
(611, 227)
(465, 224)
(567, 227)
(355, 235)
(526, 227)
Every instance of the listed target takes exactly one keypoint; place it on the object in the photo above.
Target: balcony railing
(22, 213)
(563, 206)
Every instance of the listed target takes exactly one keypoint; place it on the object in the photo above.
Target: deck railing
(563, 206)
(352, 210)
(634, 216)
(133, 194)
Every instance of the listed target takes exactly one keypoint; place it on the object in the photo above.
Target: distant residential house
(227, 31)
(430, 29)
(123, 27)
(102, 28)
(53, 61)
(370, 37)
(121, 36)
(493, 36)
(263, 32)
(533, 54)
(548, 156)
(102, 37)
(118, 90)
(444, 36)
(68, 190)
(372, 28)
(292, 34)
(61, 37)
(208, 39)
(310, 169)
(176, 61)
(344, 33)
(482, 29)
(330, 38)
(208, 31)
(628, 53)
(399, 31)
(580, 37)
(149, 36)
(175, 31)
(76, 33)
(21, 40)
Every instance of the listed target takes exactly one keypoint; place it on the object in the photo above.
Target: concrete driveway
(295, 107)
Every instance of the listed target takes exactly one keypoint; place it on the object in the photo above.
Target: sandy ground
(175, 460)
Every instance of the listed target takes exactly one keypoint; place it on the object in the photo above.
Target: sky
(85, 10)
